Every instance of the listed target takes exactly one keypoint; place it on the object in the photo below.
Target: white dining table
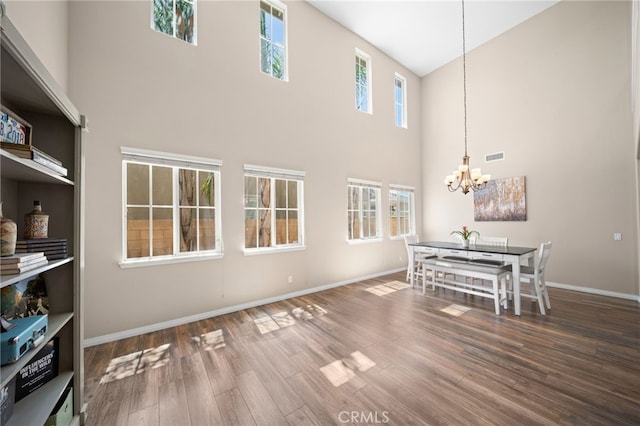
(515, 256)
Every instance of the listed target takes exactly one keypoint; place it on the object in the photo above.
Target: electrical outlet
(290, 279)
(617, 236)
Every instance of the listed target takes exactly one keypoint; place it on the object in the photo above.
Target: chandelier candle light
(465, 178)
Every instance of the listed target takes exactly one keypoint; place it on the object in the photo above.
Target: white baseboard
(594, 291)
(226, 310)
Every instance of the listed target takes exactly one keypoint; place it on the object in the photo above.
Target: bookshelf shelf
(28, 89)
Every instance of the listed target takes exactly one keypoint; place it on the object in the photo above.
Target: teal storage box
(63, 412)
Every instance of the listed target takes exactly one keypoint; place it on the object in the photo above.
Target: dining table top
(508, 250)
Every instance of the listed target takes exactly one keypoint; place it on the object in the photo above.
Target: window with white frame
(401, 211)
(171, 206)
(400, 100)
(176, 18)
(363, 210)
(273, 208)
(363, 82)
(273, 39)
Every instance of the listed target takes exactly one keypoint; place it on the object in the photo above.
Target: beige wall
(143, 89)
(554, 95)
(44, 25)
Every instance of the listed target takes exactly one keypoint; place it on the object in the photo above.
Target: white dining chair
(533, 278)
(418, 258)
(493, 242)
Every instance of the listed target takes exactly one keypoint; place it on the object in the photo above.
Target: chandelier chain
(464, 79)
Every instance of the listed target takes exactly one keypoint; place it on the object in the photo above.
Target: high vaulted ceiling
(425, 34)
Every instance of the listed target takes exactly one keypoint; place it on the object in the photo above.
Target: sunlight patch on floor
(308, 312)
(211, 340)
(274, 322)
(271, 323)
(341, 371)
(455, 310)
(136, 363)
(386, 288)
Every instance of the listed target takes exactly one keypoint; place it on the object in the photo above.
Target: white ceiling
(425, 34)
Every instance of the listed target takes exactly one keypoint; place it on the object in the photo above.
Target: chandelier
(465, 178)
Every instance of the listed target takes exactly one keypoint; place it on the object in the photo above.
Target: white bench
(444, 273)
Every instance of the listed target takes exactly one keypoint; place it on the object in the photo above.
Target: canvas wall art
(501, 200)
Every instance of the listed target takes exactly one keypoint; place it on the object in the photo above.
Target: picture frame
(13, 128)
(501, 200)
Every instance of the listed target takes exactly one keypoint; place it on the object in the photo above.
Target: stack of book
(53, 248)
(30, 152)
(21, 262)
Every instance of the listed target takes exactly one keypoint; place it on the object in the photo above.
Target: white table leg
(515, 272)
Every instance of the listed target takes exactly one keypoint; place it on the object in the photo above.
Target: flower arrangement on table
(465, 234)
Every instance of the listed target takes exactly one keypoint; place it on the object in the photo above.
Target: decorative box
(62, 414)
(7, 396)
(42, 368)
(25, 334)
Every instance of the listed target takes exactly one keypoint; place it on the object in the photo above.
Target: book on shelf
(41, 242)
(20, 258)
(30, 152)
(45, 161)
(13, 269)
(9, 266)
(53, 248)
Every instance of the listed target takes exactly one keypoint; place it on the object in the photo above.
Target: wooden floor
(372, 353)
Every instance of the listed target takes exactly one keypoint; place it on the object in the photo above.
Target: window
(273, 208)
(401, 211)
(171, 206)
(400, 100)
(176, 18)
(363, 207)
(363, 82)
(273, 57)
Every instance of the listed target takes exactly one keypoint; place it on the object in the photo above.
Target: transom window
(171, 206)
(273, 57)
(363, 210)
(273, 208)
(401, 211)
(363, 82)
(176, 18)
(400, 100)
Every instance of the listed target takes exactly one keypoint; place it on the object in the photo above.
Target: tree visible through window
(363, 85)
(272, 209)
(171, 207)
(401, 212)
(176, 18)
(363, 205)
(272, 40)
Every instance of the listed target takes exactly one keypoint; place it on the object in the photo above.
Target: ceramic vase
(465, 243)
(8, 235)
(36, 223)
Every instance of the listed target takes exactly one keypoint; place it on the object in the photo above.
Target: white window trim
(367, 58)
(283, 7)
(367, 184)
(144, 156)
(412, 212)
(277, 173)
(405, 110)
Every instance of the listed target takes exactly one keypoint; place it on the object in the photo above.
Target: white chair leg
(545, 292)
(496, 295)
